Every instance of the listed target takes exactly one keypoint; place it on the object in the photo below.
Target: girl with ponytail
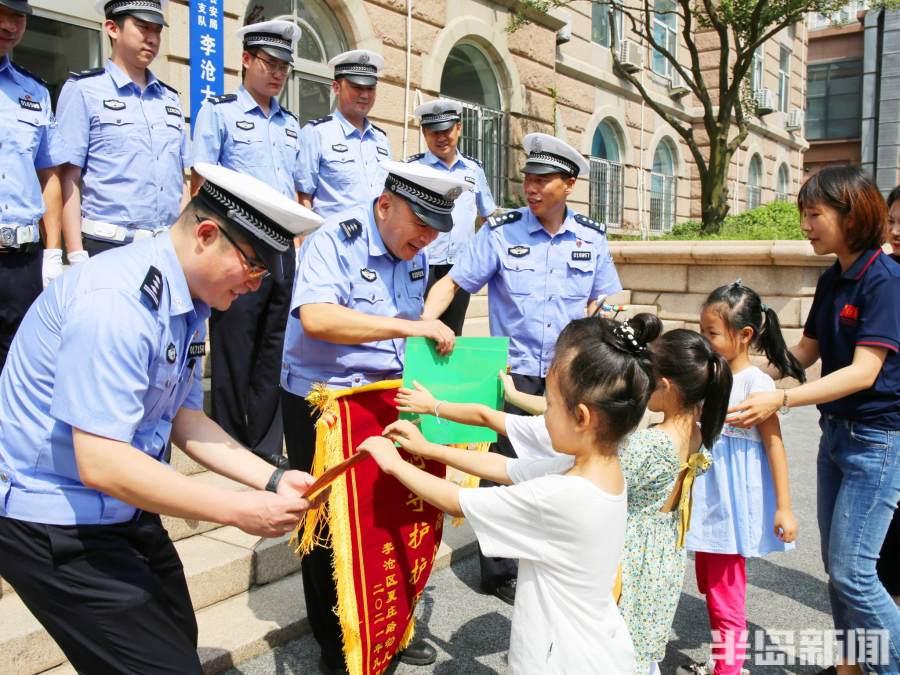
(742, 504)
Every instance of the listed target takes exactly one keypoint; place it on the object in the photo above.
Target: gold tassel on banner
(467, 480)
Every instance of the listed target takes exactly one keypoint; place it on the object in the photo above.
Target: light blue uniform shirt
(28, 141)
(132, 147)
(233, 131)
(536, 283)
(449, 246)
(346, 263)
(113, 348)
(339, 165)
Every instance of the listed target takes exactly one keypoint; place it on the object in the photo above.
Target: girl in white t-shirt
(566, 529)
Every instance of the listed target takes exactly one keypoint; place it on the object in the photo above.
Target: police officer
(105, 367)
(544, 265)
(341, 152)
(441, 126)
(125, 136)
(359, 293)
(29, 149)
(250, 132)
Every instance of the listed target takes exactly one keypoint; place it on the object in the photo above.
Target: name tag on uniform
(581, 255)
(417, 275)
(367, 274)
(197, 349)
(470, 179)
(519, 251)
(339, 147)
(246, 126)
(114, 104)
(291, 133)
(381, 151)
(172, 110)
(28, 104)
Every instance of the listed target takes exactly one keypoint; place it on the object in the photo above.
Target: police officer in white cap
(544, 265)
(340, 153)
(104, 370)
(250, 132)
(359, 293)
(441, 126)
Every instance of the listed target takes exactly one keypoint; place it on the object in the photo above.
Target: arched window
(308, 91)
(783, 187)
(662, 188)
(469, 78)
(754, 182)
(606, 179)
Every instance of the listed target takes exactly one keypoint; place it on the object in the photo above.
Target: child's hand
(509, 387)
(418, 401)
(407, 436)
(785, 525)
(383, 452)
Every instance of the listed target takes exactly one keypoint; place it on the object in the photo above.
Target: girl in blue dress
(742, 505)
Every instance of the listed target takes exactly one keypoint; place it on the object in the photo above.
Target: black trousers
(20, 284)
(496, 571)
(246, 343)
(455, 314)
(113, 597)
(889, 561)
(318, 583)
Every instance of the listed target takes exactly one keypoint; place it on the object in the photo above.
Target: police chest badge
(290, 133)
(171, 353)
(28, 104)
(339, 147)
(416, 275)
(172, 110)
(381, 151)
(581, 255)
(197, 349)
(470, 179)
(368, 275)
(519, 251)
(113, 104)
(245, 126)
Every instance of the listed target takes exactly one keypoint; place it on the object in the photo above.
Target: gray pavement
(786, 593)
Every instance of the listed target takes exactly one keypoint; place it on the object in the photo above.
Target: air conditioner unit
(677, 87)
(794, 120)
(631, 57)
(765, 101)
(564, 34)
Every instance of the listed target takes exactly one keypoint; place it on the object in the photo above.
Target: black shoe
(506, 591)
(418, 653)
(327, 669)
(278, 461)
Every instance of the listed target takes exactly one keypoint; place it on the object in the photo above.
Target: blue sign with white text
(207, 52)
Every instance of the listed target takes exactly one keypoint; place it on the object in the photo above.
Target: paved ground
(787, 593)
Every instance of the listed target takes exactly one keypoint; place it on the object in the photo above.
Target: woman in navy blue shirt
(854, 327)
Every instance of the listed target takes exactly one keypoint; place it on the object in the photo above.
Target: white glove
(77, 257)
(52, 266)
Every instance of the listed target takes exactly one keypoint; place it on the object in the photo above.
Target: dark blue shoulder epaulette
(378, 128)
(27, 73)
(224, 98)
(319, 121)
(81, 74)
(587, 222)
(474, 159)
(416, 157)
(152, 287)
(504, 219)
(289, 113)
(351, 228)
(170, 88)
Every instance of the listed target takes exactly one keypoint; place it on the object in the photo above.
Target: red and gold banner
(384, 538)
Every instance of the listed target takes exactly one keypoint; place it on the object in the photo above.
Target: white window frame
(784, 78)
(661, 24)
(757, 70)
(618, 18)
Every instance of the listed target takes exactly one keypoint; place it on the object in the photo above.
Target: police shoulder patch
(378, 128)
(92, 72)
(225, 98)
(351, 228)
(473, 159)
(152, 287)
(416, 157)
(28, 73)
(504, 219)
(321, 120)
(588, 222)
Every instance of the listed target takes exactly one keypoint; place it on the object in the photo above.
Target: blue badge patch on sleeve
(368, 275)
(152, 286)
(519, 251)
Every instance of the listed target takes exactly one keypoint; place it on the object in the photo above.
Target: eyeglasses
(255, 268)
(275, 67)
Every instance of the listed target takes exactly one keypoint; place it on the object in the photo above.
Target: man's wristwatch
(274, 480)
(784, 409)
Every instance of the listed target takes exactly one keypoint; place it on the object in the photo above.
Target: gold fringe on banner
(468, 480)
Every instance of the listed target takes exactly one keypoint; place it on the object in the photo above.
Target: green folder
(469, 374)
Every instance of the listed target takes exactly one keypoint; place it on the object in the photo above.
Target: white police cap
(548, 154)
(438, 115)
(152, 11)
(268, 219)
(360, 66)
(276, 38)
(430, 193)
